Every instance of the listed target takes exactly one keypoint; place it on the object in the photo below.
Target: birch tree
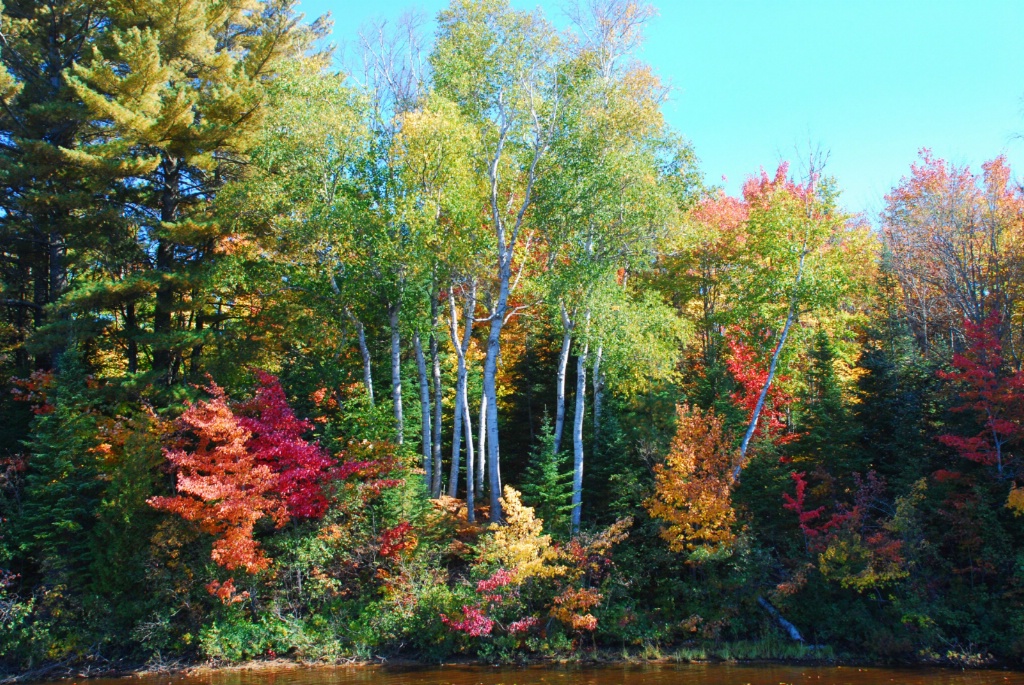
(443, 204)
(605, 207)
(501, 67)
(794, 262)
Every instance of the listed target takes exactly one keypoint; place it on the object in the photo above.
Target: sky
(871, 82)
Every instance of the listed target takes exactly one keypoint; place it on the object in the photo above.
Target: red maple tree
(751, 372)
(988, 390)
(277, 442)
(246, 463)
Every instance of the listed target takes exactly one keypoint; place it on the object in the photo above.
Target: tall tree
(501, 67)
(176, 94)
(47, 204)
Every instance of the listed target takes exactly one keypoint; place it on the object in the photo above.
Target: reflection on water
(707, 674)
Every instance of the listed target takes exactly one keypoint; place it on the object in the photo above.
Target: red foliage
(501, 578)
(522, 625)
(34, 390)
(277, 442)
(243, 468)
(751, 372)
(224, 487)
(758, 190)
(394, 541)
(995, 396)
(796, 505)
(473, 623)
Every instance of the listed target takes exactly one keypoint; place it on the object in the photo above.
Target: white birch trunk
(598, 391)
(396, 373)
(771, 370)
(481, 450)
(421, 366)
(563, 363)
(453, 473)
(462, 416)
(364, 351)
(788, 627)
(470, 476)
(577, 436)
(435, 360)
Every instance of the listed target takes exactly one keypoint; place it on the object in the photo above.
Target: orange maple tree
(692, 488)
(225, 487)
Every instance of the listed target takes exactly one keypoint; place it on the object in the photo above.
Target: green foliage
(547, 483)
(63, 489)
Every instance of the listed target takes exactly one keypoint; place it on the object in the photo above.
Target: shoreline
(63, 671)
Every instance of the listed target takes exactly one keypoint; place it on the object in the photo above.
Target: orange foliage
(222, 484)
(573, 606)
(692, 487)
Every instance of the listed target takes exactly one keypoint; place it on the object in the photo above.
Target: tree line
(340, 362)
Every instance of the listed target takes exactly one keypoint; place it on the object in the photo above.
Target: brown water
(706, 674)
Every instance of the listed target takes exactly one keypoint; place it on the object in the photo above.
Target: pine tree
(42, 225)
(178, 93)
(826, 427)
(547, 483)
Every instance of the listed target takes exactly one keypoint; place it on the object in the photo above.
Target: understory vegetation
(456, 354)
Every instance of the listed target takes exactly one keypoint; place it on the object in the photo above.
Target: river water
(702, 674)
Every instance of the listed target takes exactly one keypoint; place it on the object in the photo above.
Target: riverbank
(737, 653)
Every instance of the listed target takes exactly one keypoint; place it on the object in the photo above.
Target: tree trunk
(163, 310)
(131, 330)
(40, 298)
(421, 366)
(790, 629)
(58, 282)
(481, 450)
(396, 373)
(598, 392)
(461, 347)
(490, 389)
(577, 434)
(364, 351)
(563, 363)
(453, 473)
(771, 370)
(435, 360)
(470, 476)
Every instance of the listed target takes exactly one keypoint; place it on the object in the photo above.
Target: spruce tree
(547, 482)
(62, 482)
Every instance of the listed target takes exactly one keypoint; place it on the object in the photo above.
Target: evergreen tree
(828, 431)
(62, 485)
(547, 483)
(176, 96)
(42, 223)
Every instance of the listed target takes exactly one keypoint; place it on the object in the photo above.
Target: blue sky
(871, 81)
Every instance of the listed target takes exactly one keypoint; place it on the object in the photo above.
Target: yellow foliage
(692, 488)
(520, 545)
(858, 564)
(1015, 501)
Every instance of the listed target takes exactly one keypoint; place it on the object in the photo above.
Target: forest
(455, 353)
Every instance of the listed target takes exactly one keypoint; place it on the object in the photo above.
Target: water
(703, 674)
